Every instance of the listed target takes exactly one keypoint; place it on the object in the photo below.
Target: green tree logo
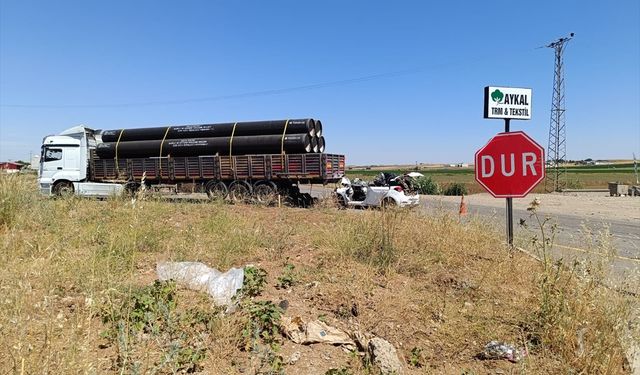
(497, 96)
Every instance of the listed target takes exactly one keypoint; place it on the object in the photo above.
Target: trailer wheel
(239, 191)
(306, 200)
(216, 190)
(131, 189)
(266, 193)
(63, 189)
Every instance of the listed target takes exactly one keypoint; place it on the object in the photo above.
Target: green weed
(264, 321)
(288, 277)
(254, 281)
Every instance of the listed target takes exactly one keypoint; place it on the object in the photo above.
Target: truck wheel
(216, 190)
(266, 193)
(131, 188)
(63, 189)
(306, 200)
(240, 191)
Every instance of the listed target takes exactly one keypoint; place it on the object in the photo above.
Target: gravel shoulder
(598, 206)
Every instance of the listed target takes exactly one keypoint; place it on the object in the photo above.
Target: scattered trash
(384, 355)
(197, 276)
(302, 332)
(501, 350)
(295, 357)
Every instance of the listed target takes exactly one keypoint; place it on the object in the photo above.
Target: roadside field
(79, 292)
(578, 177)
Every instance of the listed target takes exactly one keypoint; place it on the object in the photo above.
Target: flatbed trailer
(302, 168)
(70, 165)
(239, 178)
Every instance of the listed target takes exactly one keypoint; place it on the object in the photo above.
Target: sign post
(509, 201)
(512, 163)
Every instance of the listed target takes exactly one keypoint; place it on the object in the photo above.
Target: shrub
(426, 185)
(456, 188)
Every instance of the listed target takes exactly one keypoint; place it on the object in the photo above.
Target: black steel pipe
(318, 128)
(321, 145)
(314, 144)
(260, 144)
(276, 127)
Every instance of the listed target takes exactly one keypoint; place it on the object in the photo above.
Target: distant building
(10, 167)
(35, 162)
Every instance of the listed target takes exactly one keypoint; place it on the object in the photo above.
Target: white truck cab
(64, 165)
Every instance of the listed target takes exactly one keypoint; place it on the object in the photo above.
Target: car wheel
(340, 201)
(388, 203)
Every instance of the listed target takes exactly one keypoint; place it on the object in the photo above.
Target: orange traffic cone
(463, 207)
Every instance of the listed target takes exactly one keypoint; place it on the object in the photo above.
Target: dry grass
(73, 273)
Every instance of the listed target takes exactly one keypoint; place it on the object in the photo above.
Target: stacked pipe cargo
(240, 138)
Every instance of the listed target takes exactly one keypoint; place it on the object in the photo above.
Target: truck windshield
(52, 154)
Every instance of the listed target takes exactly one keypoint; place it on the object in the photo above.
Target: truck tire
(216, 190)
(266, 193)
(306, 200)
(239, 191)
(63, 189)
(131, 189)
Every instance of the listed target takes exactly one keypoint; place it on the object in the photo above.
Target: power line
(270, 92)
(221, 97)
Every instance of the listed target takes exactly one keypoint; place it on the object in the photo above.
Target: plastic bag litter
(197, 276)
(313, 332)
(501, 350)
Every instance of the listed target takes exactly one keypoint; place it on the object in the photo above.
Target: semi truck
(69, 165)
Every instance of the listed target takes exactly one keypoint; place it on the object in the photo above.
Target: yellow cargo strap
(231, 159)
(284, 132)
(162, 144)
(231, 139)
(116, 158)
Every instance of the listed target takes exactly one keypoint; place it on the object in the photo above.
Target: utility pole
(557, 151)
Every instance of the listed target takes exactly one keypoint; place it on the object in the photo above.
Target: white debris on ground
(198, 276)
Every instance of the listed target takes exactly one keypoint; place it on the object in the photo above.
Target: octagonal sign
(510, 165)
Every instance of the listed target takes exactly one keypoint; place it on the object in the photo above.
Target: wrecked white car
(360, 194)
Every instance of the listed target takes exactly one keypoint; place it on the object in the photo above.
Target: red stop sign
(510, 165)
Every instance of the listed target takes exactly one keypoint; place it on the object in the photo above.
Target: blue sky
(116, 64)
